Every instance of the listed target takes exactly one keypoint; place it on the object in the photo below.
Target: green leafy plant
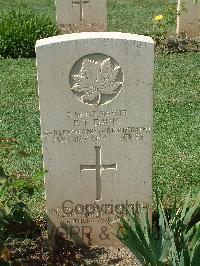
(20, 30)
(163, 23)
(15, 189)
(174, 240)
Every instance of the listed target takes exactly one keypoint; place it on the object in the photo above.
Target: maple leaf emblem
(96, 79)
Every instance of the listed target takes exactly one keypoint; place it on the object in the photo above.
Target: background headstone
(81, 15)
(96, 106)
(188, 21)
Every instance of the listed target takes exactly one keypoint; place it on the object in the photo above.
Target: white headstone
(96, 105)
(188, 21)
(81, 15)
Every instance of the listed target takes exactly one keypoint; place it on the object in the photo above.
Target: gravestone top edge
(94, 35)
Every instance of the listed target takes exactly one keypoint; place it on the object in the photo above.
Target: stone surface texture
(188, 21)
(70, 18)
(96, 106)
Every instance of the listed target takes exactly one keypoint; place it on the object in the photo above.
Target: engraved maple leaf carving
(96, 79)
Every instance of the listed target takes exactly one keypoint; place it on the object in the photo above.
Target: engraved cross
(98, 167)
(81, 3)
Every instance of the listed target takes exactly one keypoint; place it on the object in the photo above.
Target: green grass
(19, 112)
(135, 16)
(177, 123)
(40, 7)
(176, 105)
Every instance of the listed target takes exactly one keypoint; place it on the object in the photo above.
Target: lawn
(176, 101)
(133, 16)
(42, 7)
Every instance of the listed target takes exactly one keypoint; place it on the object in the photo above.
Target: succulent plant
(175, 241)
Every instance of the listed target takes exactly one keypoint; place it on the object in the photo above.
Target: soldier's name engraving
(97, 125)
(96, 118)
(96, 122)
(77, 135)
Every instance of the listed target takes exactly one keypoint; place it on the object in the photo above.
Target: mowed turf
(20, 112)
(40, 7)
(133, 16)
(177, 124)
(176, 102)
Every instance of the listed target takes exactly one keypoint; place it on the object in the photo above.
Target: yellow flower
(158, 18)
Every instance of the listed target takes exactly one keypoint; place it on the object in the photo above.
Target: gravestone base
(188, 21)
(102, 234)
(191, 31)
(93, 228)
(82, 27)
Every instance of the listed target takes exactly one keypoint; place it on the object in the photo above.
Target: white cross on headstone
(81, 3)
(99, 167)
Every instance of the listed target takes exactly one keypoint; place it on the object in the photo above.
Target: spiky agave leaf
(195, 260)
(137, 235)
(191, 210)
(142, 228)
(129, 238)
(177, 243)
